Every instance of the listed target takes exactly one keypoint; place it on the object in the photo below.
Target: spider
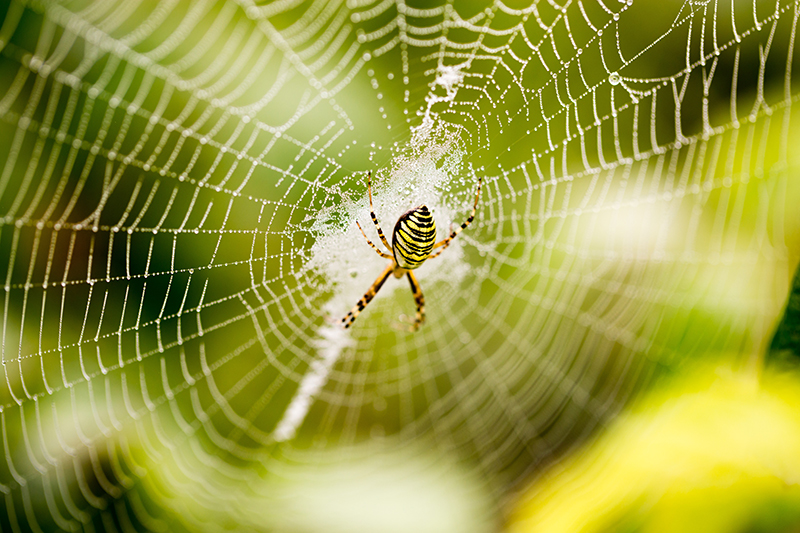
(413, 240)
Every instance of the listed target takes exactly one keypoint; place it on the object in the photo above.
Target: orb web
(179, 188)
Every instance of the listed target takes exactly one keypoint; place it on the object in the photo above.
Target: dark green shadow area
(785, 346)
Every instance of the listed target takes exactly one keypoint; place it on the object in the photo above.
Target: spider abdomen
(413, 237)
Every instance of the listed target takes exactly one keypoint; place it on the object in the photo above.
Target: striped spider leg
(413, 240)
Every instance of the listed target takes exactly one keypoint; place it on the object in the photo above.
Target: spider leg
(442, 249)
(446, 242)
(372, 212)
(419, 299)
(382, 254)
(367, 298)
(444, 246)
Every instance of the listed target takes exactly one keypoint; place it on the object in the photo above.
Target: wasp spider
(413, 240)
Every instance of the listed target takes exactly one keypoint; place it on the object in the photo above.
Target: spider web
(179, 188)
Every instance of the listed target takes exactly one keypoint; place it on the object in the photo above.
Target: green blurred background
(179, 186)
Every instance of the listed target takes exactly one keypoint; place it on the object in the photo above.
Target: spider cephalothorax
(413, 240)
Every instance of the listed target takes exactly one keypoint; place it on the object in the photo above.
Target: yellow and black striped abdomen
(413, 238)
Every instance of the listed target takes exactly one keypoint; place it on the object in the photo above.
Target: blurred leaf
(715, 452)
